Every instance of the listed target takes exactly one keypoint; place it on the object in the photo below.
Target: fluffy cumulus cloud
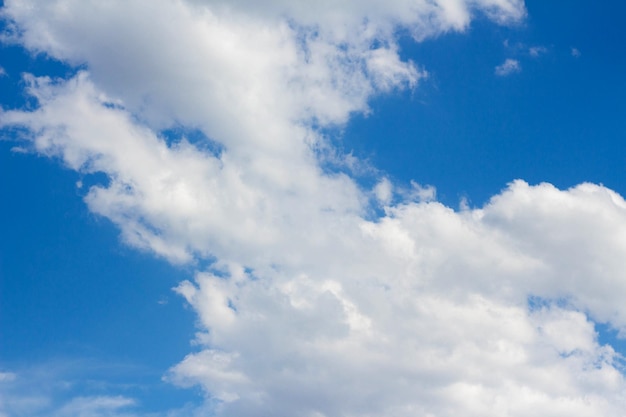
(478, 313)
(314, 305)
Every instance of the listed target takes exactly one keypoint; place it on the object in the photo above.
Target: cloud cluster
(313, 305)
(256, 84)
(478, 313)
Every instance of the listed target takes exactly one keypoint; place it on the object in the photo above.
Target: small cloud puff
(535, 51)
(575, 52)
(508, 67)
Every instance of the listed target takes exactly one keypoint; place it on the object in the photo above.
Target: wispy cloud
(575, 52)
(59, 389)
(98, 406)
(509, 66)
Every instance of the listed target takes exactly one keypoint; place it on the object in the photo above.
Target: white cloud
(421, 193)
(19, 149)
(509, 66)
(430, 317)
(247, 81)
(575, 53)
(536, 51)
(384, 191)
(179, 201)
(313, 308)
(3, 72)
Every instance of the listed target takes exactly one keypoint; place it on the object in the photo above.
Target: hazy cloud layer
(313, 307)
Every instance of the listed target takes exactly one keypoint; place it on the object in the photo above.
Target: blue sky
(469, 132)
(187, 222)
